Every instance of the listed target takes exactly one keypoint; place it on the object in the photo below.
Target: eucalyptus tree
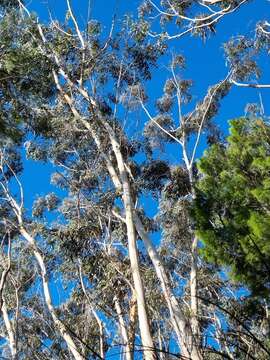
(101, 123)
(78, 95)
(243, 70)
(68, 50)
(188, 17)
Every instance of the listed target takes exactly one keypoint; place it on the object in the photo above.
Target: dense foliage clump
(233, 203)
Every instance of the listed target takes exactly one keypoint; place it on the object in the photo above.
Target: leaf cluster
(232, 205)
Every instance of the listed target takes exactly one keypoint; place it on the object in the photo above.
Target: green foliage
(23, 68)
(84, 236)
(8, 3)
(233, 202)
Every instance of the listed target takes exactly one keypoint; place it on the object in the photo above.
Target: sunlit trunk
(123, 329)
(193, 289)
(144, 325)
(47, 295)
(181, 325)
(10, 331)
(133, 315)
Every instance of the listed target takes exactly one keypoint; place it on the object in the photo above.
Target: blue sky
(205, 65)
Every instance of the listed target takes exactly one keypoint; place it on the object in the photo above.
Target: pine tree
(232, 206)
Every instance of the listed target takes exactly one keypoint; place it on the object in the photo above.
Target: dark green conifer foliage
(233, 202)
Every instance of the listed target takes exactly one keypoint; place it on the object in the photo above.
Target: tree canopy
(104, 259)
(232, 203)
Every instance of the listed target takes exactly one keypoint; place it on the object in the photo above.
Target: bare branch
(211, 97)
(250, 85)
(5, 271)
(217, 16)
(76, 25)
(194, 20)
(158, 125)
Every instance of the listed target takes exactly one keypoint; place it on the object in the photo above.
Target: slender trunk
(181, 325)
(146, 337)
(101, 334)
(11, 335)
(193, 291)
(59, 325)
(123, 329)
(133, 314)
(183, 328)
(195, 326)
(160, 343)
(147, 341)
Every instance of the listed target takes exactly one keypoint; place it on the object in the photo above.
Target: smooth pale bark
(101, 334)
(195, 326)
(123, 329)
(160, 343)
(193, 290)
(8, 325)
(144, 325)
(47, 295)
(147, 341)
(180, 324)
(146, 337)
(133, 315)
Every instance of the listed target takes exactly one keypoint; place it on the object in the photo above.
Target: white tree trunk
(123, 329)
(47, 295)
(147, 341)
(194, 274)
(101, 334)
(193, 291)
(183, 328)
(180, 324)
(8, 325)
